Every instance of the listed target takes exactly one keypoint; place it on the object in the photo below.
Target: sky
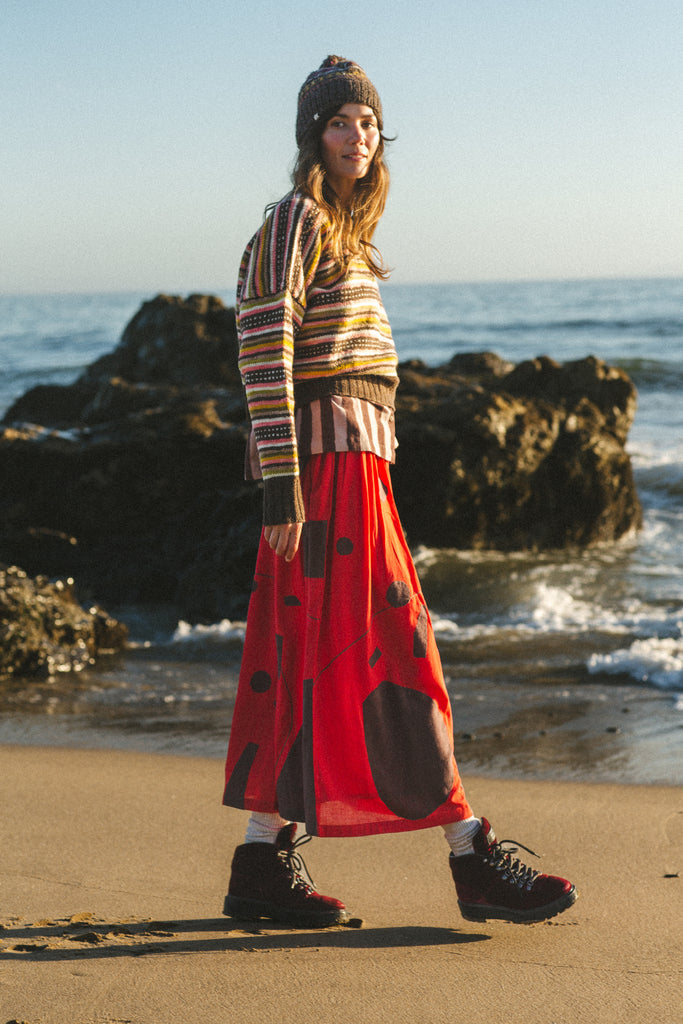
(534, 139)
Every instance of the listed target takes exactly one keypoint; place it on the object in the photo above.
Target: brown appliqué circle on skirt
(261, 682)
(398, 594)
(409, 750)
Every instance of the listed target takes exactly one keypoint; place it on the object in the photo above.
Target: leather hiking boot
(491, 884)
(266, 881)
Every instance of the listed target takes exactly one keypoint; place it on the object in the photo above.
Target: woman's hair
(352, 229)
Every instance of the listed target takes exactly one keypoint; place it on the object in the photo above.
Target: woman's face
(349, 143)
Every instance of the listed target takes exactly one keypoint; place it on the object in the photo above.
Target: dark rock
(175, 341)
(131, 479)
(44, 630)
(483, 367)
(528, 459)
(51, 405)
(135, 486)
(587, 385)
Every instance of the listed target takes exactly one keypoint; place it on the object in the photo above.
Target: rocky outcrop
(135, 486)
(131, 479)
(527, 457)
(44, 630)
(182, 342)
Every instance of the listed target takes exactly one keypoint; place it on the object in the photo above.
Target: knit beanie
(336, 82)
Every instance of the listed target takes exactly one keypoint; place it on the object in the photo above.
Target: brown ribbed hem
(283, 501)
(380, 390)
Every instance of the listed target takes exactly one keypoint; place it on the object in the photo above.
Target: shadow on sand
(87, 938)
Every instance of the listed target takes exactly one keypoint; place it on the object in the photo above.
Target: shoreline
(115, 865)
(566, 729)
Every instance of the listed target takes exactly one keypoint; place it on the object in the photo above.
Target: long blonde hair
(352, 229)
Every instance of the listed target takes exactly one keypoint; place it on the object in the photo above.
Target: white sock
(263, 827)
(459, 835)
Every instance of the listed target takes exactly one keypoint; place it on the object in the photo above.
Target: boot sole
(482, 912)
(251, 910)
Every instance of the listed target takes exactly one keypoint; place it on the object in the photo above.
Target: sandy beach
(115, 865)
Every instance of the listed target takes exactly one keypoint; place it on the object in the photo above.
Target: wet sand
(115, 864)
(566, 728)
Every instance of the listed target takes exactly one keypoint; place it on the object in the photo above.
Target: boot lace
(296, 865)
(511, 869)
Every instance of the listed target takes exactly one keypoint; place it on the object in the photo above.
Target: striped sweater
(307, 330)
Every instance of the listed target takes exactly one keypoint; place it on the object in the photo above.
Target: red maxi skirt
(342, 720)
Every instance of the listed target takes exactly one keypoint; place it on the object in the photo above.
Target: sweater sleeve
(277, 268)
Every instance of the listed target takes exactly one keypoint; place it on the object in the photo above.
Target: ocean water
(517, 633)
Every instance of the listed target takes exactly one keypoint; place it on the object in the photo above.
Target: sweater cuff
(283, 501)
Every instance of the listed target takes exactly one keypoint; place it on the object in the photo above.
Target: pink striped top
(336, 423)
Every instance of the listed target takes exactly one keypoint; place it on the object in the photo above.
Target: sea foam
(655, 660)
(217, 632)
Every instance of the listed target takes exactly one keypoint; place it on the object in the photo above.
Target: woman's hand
(284, 539)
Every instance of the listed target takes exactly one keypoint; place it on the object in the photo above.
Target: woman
(342, 719)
